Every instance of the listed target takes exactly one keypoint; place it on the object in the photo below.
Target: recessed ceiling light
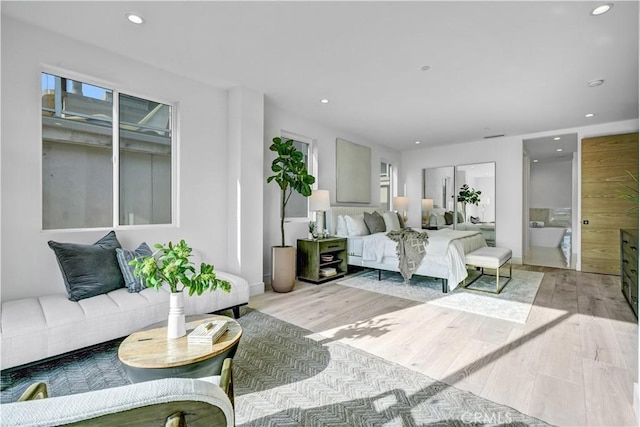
(535, 160)
(135, 19)
(425, 68)
(557, 138)
(589, 115)
(603, 8)
(417, 142)
(324, 101)
(595, 83)
(558, 149)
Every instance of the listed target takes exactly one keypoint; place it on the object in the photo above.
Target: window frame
(115, 150)
(311, 169)
(392, 192)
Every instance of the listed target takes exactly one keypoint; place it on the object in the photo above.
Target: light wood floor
(572, 364)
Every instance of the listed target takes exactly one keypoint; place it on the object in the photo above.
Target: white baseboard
(256, 288)
(516, 261)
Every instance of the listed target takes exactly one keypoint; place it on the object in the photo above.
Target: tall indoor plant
(170, 264)
(468, 195)
(290, 173)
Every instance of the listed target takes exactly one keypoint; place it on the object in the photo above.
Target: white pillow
(391, 221)
(341, 227)
(356, 225)
(437, 219)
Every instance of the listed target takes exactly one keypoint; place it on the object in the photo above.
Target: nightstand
(321, 260)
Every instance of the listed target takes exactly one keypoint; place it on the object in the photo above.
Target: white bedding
(445, 257)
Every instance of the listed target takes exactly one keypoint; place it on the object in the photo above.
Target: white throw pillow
(341, 227)
(356, 225)
(437, 219)
(391, 221)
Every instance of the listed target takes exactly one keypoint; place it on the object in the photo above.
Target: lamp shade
(427, 205)
(401, 203)
(319, 200)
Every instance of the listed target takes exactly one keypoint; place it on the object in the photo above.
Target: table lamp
(319, 202)
(401, 205)
(427, 207)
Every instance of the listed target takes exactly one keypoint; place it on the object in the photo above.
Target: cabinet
(323, 255)
(629, 267)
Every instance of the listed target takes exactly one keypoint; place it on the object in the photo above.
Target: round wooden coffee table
(148, 354)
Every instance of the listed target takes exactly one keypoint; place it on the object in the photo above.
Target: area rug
(513, 303)
(287, 376)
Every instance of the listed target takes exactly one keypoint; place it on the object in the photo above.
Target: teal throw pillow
(133, 283)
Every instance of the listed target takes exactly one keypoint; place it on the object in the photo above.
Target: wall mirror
(461, 197)
(437, 184)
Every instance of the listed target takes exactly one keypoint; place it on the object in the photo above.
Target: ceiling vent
(494, 136)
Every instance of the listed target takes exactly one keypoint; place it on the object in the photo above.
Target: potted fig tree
(290, 173)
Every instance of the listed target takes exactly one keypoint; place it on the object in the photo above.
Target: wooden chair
(169, 402)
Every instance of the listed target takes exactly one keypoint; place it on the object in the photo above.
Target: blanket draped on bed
(411, 249)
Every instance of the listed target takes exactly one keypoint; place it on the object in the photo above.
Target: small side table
(316, 256)
(148, 354)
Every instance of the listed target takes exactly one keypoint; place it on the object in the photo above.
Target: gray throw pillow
(89, 270)
(133, 283)
(448, 217)
(374, 222)
(401, 220)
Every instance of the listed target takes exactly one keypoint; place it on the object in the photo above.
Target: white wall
(245, 208)
(506, 152)
(551, 184)
(277, 121)
(28, 265)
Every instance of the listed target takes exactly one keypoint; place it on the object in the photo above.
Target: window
(298, 205)
(93, 176)
(385, 186)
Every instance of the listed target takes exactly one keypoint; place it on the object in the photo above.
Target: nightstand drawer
(332, 245)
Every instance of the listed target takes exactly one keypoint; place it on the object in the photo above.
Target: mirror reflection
(460, 197)
(475, 196)
(438, 186)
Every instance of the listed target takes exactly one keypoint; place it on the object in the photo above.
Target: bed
(444, 259)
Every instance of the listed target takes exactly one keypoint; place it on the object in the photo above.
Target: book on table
(208, 332)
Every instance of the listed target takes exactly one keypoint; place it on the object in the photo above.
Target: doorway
(550, 202)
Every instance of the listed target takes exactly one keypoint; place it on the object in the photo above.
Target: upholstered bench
(489, 257)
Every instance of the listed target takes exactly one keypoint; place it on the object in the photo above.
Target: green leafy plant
(171, 264)
(312, 227)
(630, 192)
(469, 195)
(290, 173)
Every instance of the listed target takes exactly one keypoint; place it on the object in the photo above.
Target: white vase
(176, 327)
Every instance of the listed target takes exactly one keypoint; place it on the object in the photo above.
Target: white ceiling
(496, 67)
(545, 149)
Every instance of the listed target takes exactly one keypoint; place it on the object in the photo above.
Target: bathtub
(550, 237)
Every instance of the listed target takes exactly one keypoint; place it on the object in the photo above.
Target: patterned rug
(287, 376)
(513, 303)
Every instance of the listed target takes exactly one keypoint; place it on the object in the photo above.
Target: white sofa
(32, 329)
